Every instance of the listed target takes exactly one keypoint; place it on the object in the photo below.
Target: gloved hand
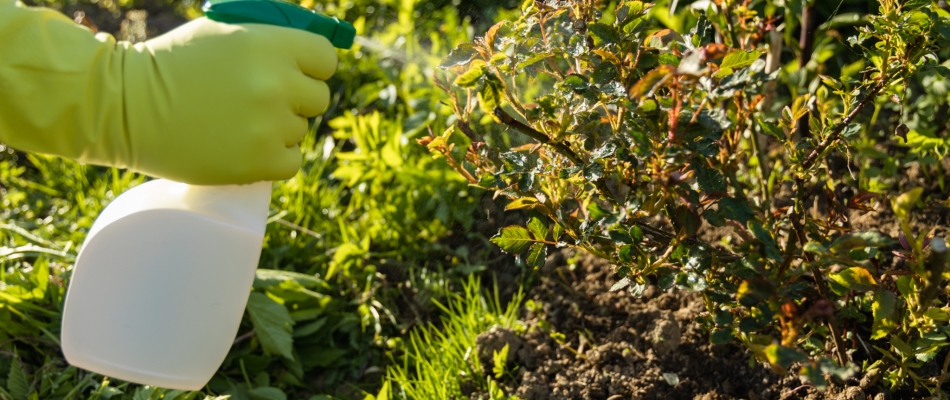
(207, 103)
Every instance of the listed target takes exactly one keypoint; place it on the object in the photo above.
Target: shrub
(635, 143)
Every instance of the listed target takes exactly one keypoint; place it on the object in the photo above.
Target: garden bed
(617, 346)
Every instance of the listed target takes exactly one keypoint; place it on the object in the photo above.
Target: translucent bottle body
(162, 280)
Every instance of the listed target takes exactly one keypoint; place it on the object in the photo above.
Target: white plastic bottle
(162, 280)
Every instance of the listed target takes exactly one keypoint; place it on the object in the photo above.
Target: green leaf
(783, 356)
(850, 131)
(905, 202)
(636, 233)
(513, 239)
(264, 278)
(267, 393)
(815, 247)
(736, 60)
(855, 278)
(937, 314)
(460, 55)
(605, 32)
(883, 308)
(721, 336)
(537, 255)
(144, 393)
(736, 209)
(902, 347)
(859, 240)
(710, 180)
(470, 78)
(272, 324)
(489, 97)
(500, 361)
(622, 283)
(577, 83)
(771, 248)
(538, 228)
(626, 253)
(607, 150)
(17, 383)
(813, 375)
(771, 130)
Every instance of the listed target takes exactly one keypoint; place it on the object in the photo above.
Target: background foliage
(647, 141)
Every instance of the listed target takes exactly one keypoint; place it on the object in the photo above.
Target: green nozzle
(279, 13)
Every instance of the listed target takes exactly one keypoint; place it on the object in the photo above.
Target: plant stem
(560, 147)
(806, 42)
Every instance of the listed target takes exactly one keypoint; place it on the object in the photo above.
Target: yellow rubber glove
(207, 103)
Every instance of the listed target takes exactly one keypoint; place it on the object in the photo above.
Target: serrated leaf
(736, 60)
(771, 130)
(626, 253)
(272, 324)
(17, 383)
(460, 55)
(608, 149)
(537, 255)
(489, 97)
(882, 309)
(620, 284)
(710, 180)
(855, 278)
(577, 83)
(605, 32)
(523, 203)
(538, 228)
(470, 78)
(513, 239)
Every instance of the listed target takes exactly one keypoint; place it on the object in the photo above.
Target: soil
(617, 347)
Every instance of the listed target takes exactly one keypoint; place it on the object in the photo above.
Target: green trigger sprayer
(340, 33)
(186, 256)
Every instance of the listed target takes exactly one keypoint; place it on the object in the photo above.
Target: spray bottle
(161, 282)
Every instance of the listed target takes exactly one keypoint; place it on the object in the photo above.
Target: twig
(244, 337)
(666, 238)
(560, 147)
(943, 373)
(806, 41)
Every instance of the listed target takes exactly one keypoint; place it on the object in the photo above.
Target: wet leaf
(605, 32)
(461, 55)
(537, 255)
(470, 78)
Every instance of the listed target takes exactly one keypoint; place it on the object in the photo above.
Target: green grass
(439, 358)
